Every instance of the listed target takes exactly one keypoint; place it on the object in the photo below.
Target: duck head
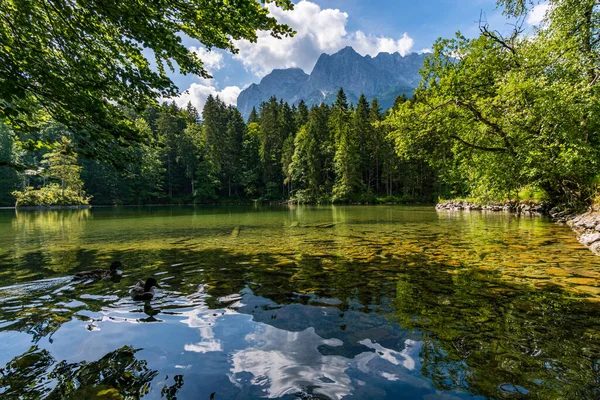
(115, 266)
(150, 283)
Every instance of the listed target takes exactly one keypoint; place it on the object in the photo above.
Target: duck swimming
(144, 290)
(97, 274)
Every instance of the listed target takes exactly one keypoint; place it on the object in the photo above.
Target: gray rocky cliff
(384, 76)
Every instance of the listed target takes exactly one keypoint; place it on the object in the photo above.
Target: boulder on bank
(587, 227)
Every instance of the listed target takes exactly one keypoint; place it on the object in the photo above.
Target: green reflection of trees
(488, 338)
(47, 235)
(117, 375)
(481, 334)
(170, 392)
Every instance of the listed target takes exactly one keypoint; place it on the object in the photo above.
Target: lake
(364, 302)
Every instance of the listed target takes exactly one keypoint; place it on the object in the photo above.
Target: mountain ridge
(384, 76)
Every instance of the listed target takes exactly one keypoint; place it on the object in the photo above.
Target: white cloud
(197, 94)
(213, 60)
(318, 31)
(367, 44)
(537, 14)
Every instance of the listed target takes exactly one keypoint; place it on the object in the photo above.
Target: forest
(502, 116)
(337, 153)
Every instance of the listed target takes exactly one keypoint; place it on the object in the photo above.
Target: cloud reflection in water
(284, 363)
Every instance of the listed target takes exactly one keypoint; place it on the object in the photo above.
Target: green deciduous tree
(502, 112)
(9, 179)
(61, 166)
(85, 61)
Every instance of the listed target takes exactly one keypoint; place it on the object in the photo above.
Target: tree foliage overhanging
(497, 113)
(85, 62)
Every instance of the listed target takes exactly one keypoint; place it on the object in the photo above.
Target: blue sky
(326, 26)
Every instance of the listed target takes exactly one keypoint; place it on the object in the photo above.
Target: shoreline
(273, 204)
(513, 207)
(48, 208)
(587, 228)
(585, 225)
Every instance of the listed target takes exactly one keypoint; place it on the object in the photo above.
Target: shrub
(50, 195)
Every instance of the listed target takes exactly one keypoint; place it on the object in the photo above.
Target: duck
(144, 290)
(97, 274)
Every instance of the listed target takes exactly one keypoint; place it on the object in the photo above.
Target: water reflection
(119, 374)
(495, 339)
(330, 303)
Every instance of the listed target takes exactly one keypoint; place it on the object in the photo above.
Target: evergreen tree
(288, 133)
(188, 150)
(251, 177)
(312, 162)
(271, 147)
(254, 117)
(231, 164)
(192, 113)
(301, 114)
(169, 127)
(215, 140)
(61, 164)
(347, 156)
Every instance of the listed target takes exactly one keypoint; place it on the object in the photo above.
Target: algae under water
(381, 302)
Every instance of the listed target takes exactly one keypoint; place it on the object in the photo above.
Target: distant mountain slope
(384, 76)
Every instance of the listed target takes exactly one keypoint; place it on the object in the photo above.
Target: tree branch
(477, 147)
(488, 123)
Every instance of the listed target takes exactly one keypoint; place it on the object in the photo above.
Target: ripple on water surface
(306, 302)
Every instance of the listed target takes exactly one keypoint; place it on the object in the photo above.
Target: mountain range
(384, 76)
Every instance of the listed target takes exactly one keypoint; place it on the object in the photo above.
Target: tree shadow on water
(488, 337)
(119, 374)
(479, 333)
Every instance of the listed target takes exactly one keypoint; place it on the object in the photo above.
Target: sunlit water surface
(297, 303)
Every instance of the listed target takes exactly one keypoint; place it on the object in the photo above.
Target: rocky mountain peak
(384, 76)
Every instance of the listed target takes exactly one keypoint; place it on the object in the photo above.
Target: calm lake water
(361, 302)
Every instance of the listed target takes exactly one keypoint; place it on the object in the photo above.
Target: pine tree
(254, 117)
(288, 133)
(271, 147)
(188, 150)
(192, 112)
(231, 164)
(214, 127)
(311, 166)
(347, 155)
(368, 142)
(251, 176)
(301, 114)
(170, 125)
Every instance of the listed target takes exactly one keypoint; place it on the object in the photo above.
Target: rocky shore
(509, 207)
(587, 227)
